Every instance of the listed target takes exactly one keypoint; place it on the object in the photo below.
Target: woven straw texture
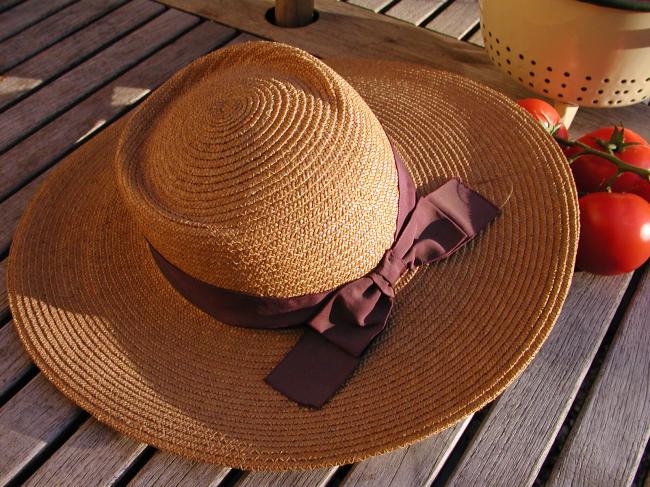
(103, 324)
(273, 178)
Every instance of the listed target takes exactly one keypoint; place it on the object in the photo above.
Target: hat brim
(106, 328)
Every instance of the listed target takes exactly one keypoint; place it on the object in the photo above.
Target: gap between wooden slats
(7, 4)
(476, 38)
(460, 19)
(417, 464)
(16, 368)
(457, 19)
(416, 11)
(168, 469)
(309, 478)
(607, 441)
(26, 14)
(119, 454)
(525, 419)
(127, 90)
(71, 51)
(35, 420)
(361, 33)
(374, 5)
(52, 29)
(93, 455)
(27, 116)
(59, 137)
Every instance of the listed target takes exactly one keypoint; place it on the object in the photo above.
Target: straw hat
(263, 171)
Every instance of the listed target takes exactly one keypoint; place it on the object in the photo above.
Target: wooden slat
(612, 429)
(150, 73)
(53, 28)
(170, 470)
(515, 436)
(4, 305)
(111, 453)
(14, 361)
(27, 13)
(11, 209)
(29, 422)
(88, 76)
(374, 5)
(310, 478)
(7, 4)
(476, 38)
(359, 32)
(417, 464)
(39, 150)
(43, 67)
(94, 455)
(457, 19)
(414, 11)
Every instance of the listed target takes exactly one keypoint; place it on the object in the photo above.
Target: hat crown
(259, 169)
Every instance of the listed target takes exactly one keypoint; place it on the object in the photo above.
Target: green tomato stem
(620, 164)
(608, 184)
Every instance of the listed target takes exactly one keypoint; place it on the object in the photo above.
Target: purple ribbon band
(342, 322)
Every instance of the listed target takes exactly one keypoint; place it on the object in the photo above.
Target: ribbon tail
(313, 370)
(329, 351)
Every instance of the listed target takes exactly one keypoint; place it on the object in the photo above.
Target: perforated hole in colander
(559, 82)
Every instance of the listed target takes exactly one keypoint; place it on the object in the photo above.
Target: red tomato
(628, 182)
(592, 172)
(543, 112)
(605, 133)
(547, 116)
(562, 133)
(614, 233)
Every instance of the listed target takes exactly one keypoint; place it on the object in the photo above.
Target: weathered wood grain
(414, 11)
(612, 429)
(458, 19)
(40, 150)
(294, 13)
(11, 209)
(4, 305)
(94, 455)
(52, 99)
(374, 5)
(51, 62)
(417, 464)
(171, 470)
(53, 28)
(311, 478)
(118, 96)
(7, 4)
(361, 33)
(29, 422)
(14, 361)
(27, 13)
(517, 433)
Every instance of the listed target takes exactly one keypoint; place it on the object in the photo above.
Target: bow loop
(344, 321)
(351, 318)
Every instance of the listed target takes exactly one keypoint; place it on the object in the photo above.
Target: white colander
(575, 52)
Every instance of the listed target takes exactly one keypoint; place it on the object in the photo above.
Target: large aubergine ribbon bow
(343, 322)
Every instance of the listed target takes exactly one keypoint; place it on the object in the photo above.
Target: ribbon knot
(388, 272)
(343, 322)
(353, 315)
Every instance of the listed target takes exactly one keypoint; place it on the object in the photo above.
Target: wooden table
(578, 415)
